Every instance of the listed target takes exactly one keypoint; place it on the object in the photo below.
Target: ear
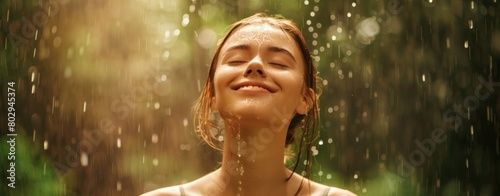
(213, 105)
(307, 102)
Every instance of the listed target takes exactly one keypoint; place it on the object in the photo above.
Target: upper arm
(167, 191)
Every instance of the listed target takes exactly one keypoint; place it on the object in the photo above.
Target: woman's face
(259, 75)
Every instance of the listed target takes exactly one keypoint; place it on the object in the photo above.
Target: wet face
(259, 74)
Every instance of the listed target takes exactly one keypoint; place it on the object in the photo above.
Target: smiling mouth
(251, 88)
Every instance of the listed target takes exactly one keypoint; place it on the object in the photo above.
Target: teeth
(250, 87)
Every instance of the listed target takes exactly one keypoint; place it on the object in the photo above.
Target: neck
(253, 159)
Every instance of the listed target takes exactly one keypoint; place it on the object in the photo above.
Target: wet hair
(303, 126)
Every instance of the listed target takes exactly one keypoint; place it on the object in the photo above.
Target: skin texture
(256, 119)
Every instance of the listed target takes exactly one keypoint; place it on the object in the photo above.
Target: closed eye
(279, 64)
(236, 62)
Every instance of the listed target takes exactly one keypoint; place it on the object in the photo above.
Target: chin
(244, 113)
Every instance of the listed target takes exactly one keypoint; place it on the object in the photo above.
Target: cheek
(291, 82)
(222, 77)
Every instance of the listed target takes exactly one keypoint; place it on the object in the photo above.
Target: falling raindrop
(154, 138)
(84, 159)
(118, 143)
(177, 32)
(118, 186)
(185, 20)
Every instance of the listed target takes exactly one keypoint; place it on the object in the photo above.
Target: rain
(104, 91)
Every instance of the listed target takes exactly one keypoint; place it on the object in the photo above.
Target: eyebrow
(281, 50)
(270, 48)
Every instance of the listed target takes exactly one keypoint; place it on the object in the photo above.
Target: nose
(255, 67)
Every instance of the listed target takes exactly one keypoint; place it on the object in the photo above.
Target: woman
(262, 84)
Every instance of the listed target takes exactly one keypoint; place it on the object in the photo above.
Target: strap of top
(181, 190)
(325, 193)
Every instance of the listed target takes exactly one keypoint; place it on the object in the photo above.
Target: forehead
(262, 35)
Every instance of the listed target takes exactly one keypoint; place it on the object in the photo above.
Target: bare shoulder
(167, 191)
(337, 192)
(314, 188)
(320, 189)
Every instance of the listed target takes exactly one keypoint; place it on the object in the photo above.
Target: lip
(263, 87)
